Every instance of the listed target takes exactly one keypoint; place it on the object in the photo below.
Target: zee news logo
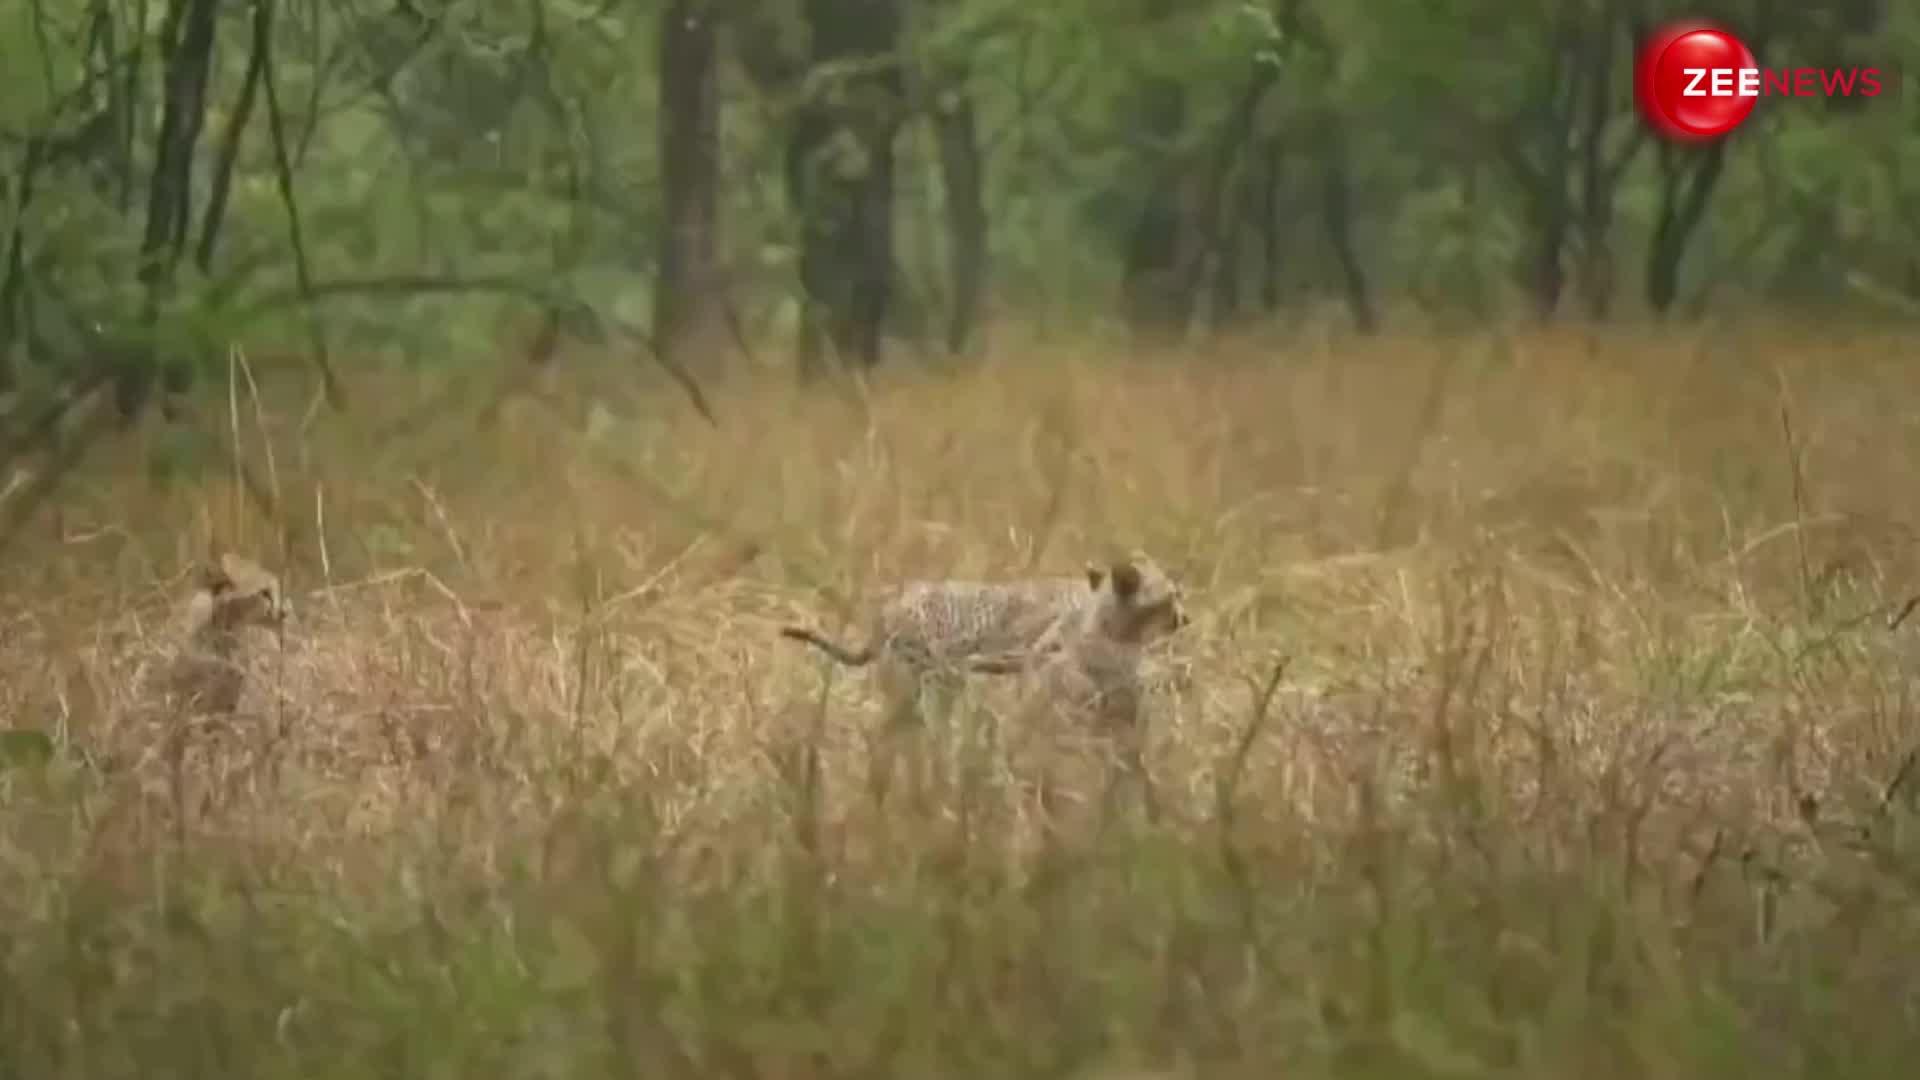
(1800, 82)
(1696, 81)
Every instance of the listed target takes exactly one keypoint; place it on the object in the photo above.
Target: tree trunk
(1600, 173)
(1234, 132)
(1548, 276)
(1151, 274)
(1535, 151)
(818, 275)
(1688, 178)
(1547, 199)
(840, 179)
(1226, 265)
(1337, 204)
(962, 176)
(1268, 193)
(1596, 189)
(1151, 282)
(13, 284)
(228, 153)
(688, 310)
(187, 39)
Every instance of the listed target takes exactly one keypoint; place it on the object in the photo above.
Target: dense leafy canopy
(417, 171)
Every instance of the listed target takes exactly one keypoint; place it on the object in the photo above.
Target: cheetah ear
(1094, 574)
(1126, 579)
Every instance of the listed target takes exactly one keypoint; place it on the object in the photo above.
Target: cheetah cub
(205, 676)
(1084, 674)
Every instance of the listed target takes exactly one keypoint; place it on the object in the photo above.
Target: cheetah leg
(1040, 754)
(902, 693)
(1133, 771)
(977, 751)
(935, 745)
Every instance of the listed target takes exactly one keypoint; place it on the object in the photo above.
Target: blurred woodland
(808, 181)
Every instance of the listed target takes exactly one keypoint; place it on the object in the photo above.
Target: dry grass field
(1541, 716)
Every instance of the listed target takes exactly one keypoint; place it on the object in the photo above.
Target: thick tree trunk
(1600, 171)
(840, 180)
(13, 281)
(1549, 206)
(1226, 271)
(187, 38)
(1536, 153)
(963, 176)
(689, 311)
(1337, 205)
(1548, 277)
(1151, 285)
(1268, 192)
(1596, 186)
(1228, 146)
(806, 135)
(1688, 179)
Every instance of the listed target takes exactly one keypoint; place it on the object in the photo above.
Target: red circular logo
(1695, 81)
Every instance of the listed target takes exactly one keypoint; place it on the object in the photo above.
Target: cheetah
(204, 678)
(196, 690)
(926, 634)
(1084, 673)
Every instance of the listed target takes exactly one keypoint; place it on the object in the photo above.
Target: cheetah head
(235, 593)
(1142, 603)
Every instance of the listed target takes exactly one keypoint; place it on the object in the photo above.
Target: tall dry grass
(1540, 717)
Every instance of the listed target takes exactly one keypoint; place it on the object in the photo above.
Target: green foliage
(24, 746)
(467, 139)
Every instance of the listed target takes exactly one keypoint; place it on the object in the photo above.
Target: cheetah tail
(850, 657)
